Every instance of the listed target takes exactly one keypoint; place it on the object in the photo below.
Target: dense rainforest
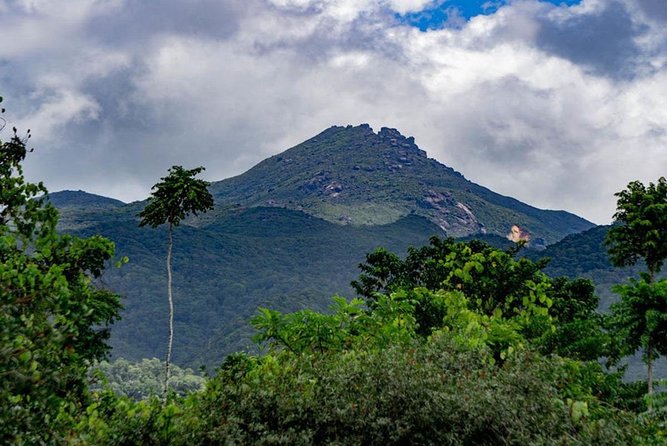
(457, 342)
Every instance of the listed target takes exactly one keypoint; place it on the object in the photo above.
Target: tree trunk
(649, 363)
(649, 351)
(171, 316)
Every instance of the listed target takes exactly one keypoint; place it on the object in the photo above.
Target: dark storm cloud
(140, 20)
(602, 41)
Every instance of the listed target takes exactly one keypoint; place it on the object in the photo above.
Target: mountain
(79, 208)
(351, 175)
(68, 199)
(288, 234)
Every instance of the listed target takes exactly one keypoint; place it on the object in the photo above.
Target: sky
(558, 104)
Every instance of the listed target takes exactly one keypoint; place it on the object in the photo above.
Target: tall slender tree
(174, 198)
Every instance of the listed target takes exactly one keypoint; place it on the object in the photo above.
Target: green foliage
(142, 380)
(345, 327)
(53, 319)
(579, 330)
(641, 232)
(492, 279)
(572, 299)
(178, 195)
(655, 416)
(117, 420)
(640, 317)
(365, 376)
(415, 392)
(639, 320)
(558, 314)
(393, 319)
(404, 394)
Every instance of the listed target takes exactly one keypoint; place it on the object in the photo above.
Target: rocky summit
(352, 175)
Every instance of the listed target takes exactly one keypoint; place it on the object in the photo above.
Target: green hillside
(79, 209)
(585, 255)
(267, 256)
(223, 271)
(69, 199)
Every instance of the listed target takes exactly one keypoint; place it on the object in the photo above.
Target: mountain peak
(352, 175)
(79, 198)
(387, 137)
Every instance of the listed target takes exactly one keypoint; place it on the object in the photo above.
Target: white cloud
(405, 6)
(116, 93)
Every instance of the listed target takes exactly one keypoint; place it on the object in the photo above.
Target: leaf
(578, 410)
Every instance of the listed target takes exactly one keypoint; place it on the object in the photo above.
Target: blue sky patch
(456, 11)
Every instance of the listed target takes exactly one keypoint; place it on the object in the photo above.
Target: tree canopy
(561, 312)
(493, 279)
(53, 318)
(176, 196)
(641, 226)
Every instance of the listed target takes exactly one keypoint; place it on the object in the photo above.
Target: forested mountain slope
(288, 234)
(223, 271)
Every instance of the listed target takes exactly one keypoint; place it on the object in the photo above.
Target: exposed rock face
(317, 183)
(452, 216)
(407, 146)
(333, 189)
(404, 151)
(518, 234)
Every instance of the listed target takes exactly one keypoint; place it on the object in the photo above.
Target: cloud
(348, 10)
(558, 106)
(654, 9)
(602, 40)
(136, 22)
